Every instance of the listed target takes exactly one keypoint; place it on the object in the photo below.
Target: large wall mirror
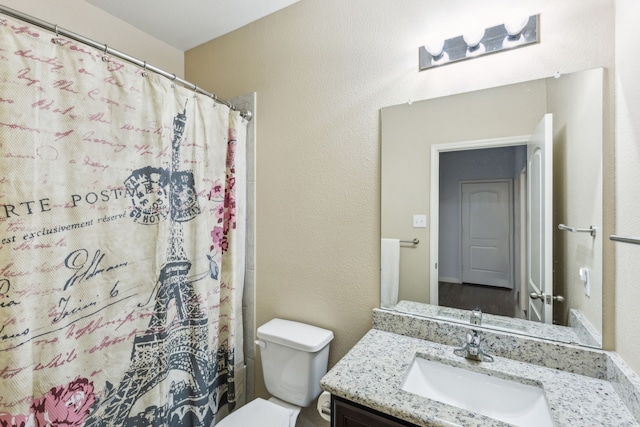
(492, 199)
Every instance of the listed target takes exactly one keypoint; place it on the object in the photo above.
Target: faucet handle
(462, 351)
(473, 338)
(471, 349)
(484, 357)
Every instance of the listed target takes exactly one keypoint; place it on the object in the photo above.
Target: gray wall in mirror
(409, 131)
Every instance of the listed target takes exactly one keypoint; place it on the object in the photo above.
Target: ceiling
(186, 24)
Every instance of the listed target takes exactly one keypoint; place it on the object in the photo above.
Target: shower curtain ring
(105, 56)
(56, 39)
(144, 69)
(173, 81)
(195, 90)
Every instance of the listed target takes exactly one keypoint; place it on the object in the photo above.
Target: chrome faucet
(471, 350)
(476, 316)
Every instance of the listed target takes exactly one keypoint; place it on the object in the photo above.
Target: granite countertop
(372, 373)
(585, 335)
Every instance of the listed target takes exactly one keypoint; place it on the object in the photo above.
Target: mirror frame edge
(608, 212)
(608, 208)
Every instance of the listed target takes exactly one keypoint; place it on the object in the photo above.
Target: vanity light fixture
(516, 32)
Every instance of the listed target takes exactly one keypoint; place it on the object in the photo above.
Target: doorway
(471, 268)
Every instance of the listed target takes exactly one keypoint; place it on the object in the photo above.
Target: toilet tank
(294, 359)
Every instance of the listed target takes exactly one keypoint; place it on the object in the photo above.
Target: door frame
(434, 194)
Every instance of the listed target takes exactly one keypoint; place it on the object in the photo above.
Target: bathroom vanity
(579, 386)
(346, 414)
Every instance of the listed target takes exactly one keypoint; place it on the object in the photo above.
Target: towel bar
(413, 242)
(633, 240)
(591, 230)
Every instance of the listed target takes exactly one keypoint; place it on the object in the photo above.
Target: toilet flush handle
(261, 344)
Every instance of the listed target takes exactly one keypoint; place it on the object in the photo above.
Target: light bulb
(473, 37)
(435, 47)
(515, 23)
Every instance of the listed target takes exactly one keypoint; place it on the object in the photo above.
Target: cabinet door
(349, 414)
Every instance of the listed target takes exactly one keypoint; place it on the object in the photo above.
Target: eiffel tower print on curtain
(182, 344)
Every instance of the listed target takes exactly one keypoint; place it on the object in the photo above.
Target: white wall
(89, 21)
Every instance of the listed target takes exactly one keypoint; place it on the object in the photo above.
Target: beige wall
(89, 21)
(576, 103)
(627, 189)
(322, 69)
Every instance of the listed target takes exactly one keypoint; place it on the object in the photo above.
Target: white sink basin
(506, 400)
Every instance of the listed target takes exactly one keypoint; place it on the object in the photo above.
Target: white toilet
(294, 359)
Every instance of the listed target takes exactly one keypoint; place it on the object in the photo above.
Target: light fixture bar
(495, 39)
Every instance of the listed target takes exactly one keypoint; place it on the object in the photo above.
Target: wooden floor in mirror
(490, 299)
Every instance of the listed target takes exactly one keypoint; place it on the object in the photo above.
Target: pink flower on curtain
(8, 420)
(230, 202)
(231, 148)
(216, 237)
(230, 189)
(216, 191)
(220, 213)
(65, 405)
(217, 195)
(224, 244)
(62, 406)
(225, 212)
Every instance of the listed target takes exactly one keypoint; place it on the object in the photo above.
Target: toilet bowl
(263, 413)
(294, 358)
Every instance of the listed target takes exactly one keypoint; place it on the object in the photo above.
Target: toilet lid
(258, 412)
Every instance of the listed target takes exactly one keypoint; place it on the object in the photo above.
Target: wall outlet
(419, 221)
(584, 276)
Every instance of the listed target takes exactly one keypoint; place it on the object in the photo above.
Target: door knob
(534, 295)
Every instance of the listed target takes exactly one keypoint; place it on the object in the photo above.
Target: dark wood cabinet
(348, 414)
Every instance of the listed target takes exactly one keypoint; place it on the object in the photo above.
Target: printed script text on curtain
(121, 259)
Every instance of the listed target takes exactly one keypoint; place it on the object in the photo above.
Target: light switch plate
(419, 221)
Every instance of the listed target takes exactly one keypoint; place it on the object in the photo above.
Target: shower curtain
(122, 241)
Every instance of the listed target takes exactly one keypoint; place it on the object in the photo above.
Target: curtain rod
(58, 31)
